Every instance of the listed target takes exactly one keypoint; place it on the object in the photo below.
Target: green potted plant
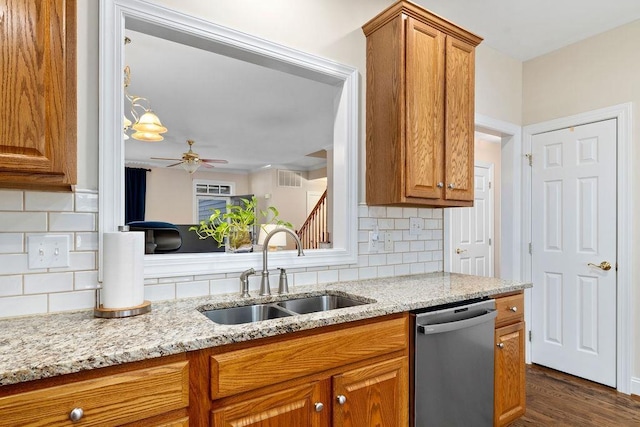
(235, 227)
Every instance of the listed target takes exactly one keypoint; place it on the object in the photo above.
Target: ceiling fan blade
(175, 164)
(214, 161)
(206, 165)
(163, 158)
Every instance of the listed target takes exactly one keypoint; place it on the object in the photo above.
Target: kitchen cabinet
(509, 374)
(38, 94)
(354, 375)
(420, 109)
(147, 393)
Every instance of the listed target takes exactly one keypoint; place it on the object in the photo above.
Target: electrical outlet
(415, 226)
(374, 237)
(388, 242)
(46, 251)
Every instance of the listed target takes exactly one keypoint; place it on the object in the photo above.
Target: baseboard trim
(635, 386)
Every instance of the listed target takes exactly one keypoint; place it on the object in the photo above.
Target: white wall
(598, 72)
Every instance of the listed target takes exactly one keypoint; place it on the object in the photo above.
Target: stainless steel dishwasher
(453, 365)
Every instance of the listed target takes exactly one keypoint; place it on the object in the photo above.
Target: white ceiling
(525, 29)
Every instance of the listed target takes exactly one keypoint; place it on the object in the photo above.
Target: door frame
(448, 218)
(623, 114)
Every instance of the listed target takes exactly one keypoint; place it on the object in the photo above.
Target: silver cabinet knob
(451, 186)
(342, 399)
(500, 345)
(440, 185)
(319, 406)
(76, 414)
(514, 308)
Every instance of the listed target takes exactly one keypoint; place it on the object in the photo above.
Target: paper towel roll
(123, 261)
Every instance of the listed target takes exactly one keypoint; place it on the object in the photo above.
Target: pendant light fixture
(146, 124)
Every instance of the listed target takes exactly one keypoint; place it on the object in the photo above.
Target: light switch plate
(415, 226)
(388, 242)
(47, 251)
(374, 238)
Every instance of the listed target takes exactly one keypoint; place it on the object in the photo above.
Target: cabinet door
(424, 131)
(510, 398)
(37, 93)
(376, 395)
(459, 118)
(291, 407)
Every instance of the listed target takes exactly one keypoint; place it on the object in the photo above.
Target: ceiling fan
(190, 160)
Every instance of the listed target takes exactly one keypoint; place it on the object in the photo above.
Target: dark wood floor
(556, 399)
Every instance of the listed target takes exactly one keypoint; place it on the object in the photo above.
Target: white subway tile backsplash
(23, 221)
(15, 264)
(71, 288)
(11, 200)
(86, 280)
(86, 201)
(301, 279)
(401, 269)
(23, 305)
(328, 276)
(11, 243)
(10, 285)
(225, 286)
(41, 201)
(160, 292)
(377, 259)
(347, 274)
(48, 282)
(86, 241)
(377, 211)
(192, 289)
(78, 300)
(367, 273)
(409, 212)
(394, 212)
(72, 221)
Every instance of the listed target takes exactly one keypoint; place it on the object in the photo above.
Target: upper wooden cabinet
(38, 94)
(420, 109)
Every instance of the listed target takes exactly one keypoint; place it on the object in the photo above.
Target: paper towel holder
(111, 313)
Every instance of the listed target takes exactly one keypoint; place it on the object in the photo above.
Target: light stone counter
(48, 345)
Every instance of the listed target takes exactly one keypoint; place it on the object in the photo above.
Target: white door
(573, 199)
(472, 229)
(312, 200)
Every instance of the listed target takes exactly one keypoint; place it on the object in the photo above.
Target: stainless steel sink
(319, 303)
(245, 314)
(258, 312)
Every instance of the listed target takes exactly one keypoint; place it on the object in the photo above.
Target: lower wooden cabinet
(294, 406)
(375, 395)
(510, 380)
(343, 376)
(150, 396)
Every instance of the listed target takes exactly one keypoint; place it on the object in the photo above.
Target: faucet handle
(244, 282)
(283, 284)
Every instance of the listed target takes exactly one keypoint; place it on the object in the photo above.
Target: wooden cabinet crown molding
(38, 94)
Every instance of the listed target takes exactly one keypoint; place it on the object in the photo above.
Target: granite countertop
(49, 345)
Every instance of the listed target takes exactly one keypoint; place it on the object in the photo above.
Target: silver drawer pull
(342, 399)
(76, 414)
(514, 309)
(451, 186)
(440, 185)
(319, 406)
(500, 345)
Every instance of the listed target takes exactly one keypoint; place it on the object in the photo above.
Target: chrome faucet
(265, 288)
(244, 282)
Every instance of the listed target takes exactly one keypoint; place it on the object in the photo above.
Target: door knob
(459, 251)
(604, 265)
(342, 399)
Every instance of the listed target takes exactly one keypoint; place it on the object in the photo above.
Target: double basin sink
(275, 310)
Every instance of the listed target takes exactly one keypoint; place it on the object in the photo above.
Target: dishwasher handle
(455, 325)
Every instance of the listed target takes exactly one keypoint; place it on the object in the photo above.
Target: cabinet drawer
(250, 368)
(510, 309)
(107, 401)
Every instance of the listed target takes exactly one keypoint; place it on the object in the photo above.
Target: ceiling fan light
(149, 122)
(147, 136)
(191, 165)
